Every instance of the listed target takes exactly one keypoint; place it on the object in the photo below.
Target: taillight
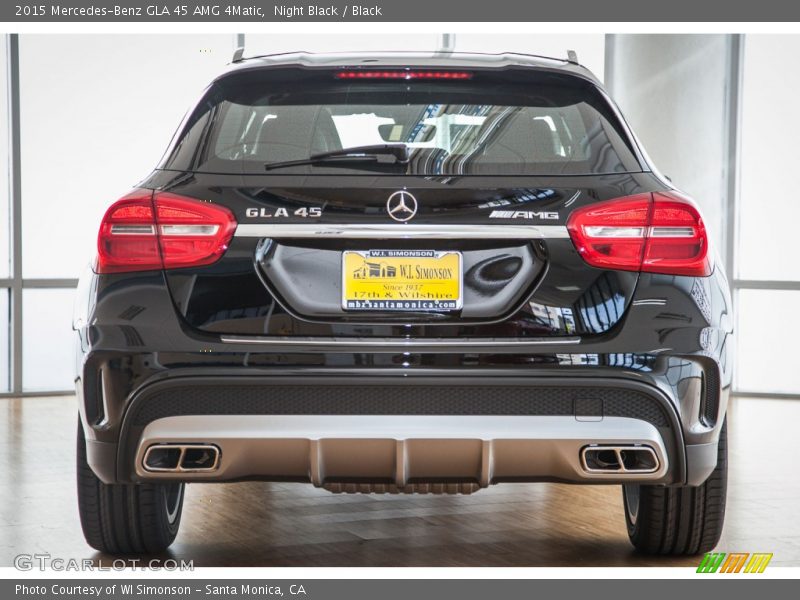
(654, 233)
(127, 240)
(145, 231)
(190, 232)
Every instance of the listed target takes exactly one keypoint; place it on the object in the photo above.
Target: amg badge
(523, 214)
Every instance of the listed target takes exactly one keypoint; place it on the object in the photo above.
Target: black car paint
(562, 282)
(671, 333)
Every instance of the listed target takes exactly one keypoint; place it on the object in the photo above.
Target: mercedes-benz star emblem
(401, 206)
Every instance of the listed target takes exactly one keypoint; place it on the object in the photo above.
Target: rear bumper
(404, 453)
(668, 367)
(392, 433)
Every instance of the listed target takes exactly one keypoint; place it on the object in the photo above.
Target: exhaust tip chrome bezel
(618, 449)
(183, 448)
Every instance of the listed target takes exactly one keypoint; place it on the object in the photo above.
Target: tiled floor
(249, 524)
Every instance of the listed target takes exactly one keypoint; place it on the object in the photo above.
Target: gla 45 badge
(266, 213)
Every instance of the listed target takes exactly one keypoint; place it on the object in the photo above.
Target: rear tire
(679, 520)
(126, 519)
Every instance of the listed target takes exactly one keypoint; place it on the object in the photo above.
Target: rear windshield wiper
(390, 154)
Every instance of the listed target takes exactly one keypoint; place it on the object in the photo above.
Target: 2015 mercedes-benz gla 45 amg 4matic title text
(404, 273)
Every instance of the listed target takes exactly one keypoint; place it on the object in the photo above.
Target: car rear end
(520, 299)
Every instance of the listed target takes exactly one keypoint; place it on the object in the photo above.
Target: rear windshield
(512, 123)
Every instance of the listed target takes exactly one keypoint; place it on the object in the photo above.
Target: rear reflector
(145, 231)
(654, 233)
(366, 74)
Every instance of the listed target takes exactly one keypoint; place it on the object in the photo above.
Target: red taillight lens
(127, 240)
(612, 234)
(367, 74)
(655, 233)
(145, 231)
(191, 232)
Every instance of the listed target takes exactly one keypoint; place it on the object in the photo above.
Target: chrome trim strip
(650, 302)
(388, 343)
(400, 231)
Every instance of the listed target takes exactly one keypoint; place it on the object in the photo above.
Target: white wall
(97, 112)
(672, 90)
(589, 47)
(270, 43)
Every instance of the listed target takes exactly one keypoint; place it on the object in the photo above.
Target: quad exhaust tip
(619, 459)
(181, 458)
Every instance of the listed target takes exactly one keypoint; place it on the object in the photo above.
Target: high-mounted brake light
(146, 230)
(654, 233)
(403, 74)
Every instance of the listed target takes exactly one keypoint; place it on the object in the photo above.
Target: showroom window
(114, 115)
(769, 156)
(672, 90)
(5, 267)
(4, 340)
(5, 225)
(767, 272)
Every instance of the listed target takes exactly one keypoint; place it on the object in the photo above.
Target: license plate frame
(381, 289)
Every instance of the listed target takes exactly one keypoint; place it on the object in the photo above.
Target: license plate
(397, 280)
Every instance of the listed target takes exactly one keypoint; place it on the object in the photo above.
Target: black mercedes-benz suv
(404, 273)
